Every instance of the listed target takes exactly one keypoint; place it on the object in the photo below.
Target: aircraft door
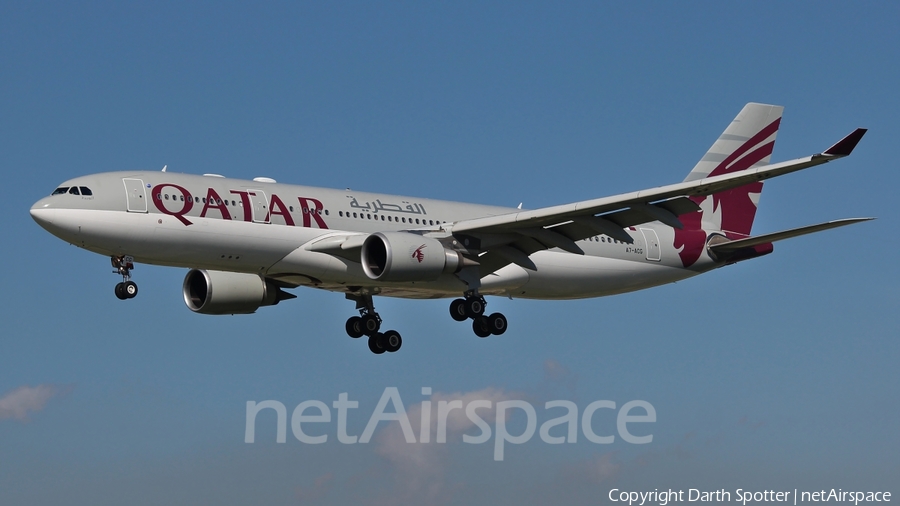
(260, 204)
(135, 195)
(652, 242)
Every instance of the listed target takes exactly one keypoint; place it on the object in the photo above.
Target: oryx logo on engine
(417, 253)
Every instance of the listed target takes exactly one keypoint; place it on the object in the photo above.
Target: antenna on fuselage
(164, 168)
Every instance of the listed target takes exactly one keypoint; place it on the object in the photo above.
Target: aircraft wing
(510, 238)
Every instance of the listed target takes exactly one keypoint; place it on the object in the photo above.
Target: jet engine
(220, 292)
(401, 256)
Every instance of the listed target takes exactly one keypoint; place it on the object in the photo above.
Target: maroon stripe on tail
(723, 168)
(738, 210)
(736, 207)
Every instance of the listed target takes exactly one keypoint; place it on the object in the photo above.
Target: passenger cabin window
(60, 191)
(74, 191)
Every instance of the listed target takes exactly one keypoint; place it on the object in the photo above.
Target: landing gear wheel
(127, 289)
(370, 324)
(481, 327)
(474, 307)
(392, 341)
(458, 310)
(376, 344)
(497, 323)
(130, 289)
(354, 327)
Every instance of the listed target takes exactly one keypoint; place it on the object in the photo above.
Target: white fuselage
(267, 228)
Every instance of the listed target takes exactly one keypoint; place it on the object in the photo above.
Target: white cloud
(320, 488)
(603, 467)
(18, 403)
(419, 469)
(553, 370)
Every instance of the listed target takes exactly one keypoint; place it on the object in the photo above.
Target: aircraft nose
(42, 212)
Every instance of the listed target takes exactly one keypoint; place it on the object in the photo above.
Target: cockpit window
(74, 191)
(85, 190)
(61, 190)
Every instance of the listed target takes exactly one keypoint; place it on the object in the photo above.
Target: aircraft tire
(130, 289)
(370, 325)
(375, 346)
(458, 310)
(481, 327)
(354, 327)
(120, 291)
(497, 323)
(392, 341)
(474, 307)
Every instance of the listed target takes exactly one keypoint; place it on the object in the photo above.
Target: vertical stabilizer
(746, 143)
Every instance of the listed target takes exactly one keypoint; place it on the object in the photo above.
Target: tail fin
(746, 143)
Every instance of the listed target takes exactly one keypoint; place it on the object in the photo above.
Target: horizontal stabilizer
(726, 248)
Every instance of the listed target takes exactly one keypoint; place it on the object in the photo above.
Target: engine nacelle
(220, 292)
(401, 256)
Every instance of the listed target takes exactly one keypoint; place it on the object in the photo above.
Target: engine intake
(220, 292)
(401, 256)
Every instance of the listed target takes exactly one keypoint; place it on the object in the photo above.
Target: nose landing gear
(127, 289)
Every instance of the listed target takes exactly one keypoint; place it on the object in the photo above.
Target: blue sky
(776, 373)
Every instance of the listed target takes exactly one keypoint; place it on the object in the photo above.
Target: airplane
(246, 241)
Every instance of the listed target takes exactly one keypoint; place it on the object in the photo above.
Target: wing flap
(516, 256)
(552, 239)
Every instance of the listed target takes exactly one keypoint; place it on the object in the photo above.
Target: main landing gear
(473, 307)
(368, 323)
(127, 289)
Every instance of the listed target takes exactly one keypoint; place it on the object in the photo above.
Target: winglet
(845, 146)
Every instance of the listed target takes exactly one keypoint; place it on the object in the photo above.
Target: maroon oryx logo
(418, 255)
